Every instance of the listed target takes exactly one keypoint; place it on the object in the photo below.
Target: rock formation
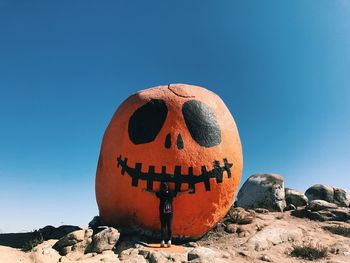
(262, 191)
(330, 194)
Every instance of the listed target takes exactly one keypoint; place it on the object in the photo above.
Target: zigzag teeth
(124, 165)
(177, 177)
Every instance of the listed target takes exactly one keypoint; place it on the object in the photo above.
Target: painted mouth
(177, 177)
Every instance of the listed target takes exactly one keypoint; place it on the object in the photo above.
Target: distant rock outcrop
(262, 191)
(317, 205)
(328, 193)
(51, 232)
(294, 197)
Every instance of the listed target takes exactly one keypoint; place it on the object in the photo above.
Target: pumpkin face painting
(180, 134)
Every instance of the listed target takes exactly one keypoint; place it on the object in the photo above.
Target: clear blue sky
(282, 68)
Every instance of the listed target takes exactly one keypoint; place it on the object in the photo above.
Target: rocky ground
(269, 223)
(243, 236)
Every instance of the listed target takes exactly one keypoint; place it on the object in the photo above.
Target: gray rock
(104, 240)
(295, 198)
(192, 244)
(317, 205)
(328, 214)
(328, 193)
(341, 197)
(231, 228)
(269, 237)
(207, 255)
(44, 253)
(128, 253)
(203, 253)
(157, 257)
(266, 258)
(77, 240)
(262, 191)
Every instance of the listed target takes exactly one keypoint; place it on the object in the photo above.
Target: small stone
(231, 228)
(265, 258)
(259, 226)
(144, 253)
(192, 244)
(126, 254)
(261, 210)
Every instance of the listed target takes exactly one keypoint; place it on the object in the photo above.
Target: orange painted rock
(180, 134)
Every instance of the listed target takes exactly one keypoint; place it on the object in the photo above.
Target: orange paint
(121, 204)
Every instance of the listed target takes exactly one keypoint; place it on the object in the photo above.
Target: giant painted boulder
(180, 134)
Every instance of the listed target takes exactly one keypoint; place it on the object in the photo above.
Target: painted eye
(147, 121)
(201, 123)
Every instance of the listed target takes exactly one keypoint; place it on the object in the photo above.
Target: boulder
(104, 240)
(44, 252)
(328, 193)
(317, 205)
(262, 191)
(326, 214)
(341, 197)
(295, 198)
(75, 241)
(269, 237)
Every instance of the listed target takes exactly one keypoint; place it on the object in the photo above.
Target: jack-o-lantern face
(180, 134)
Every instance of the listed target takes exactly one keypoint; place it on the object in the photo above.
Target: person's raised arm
(189, 190)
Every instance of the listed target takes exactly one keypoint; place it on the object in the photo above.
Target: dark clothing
(166, 221)
(164, 197)
(166, 217)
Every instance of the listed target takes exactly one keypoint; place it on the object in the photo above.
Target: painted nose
(179, 142)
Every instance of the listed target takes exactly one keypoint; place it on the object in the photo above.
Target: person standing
(166, 210)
